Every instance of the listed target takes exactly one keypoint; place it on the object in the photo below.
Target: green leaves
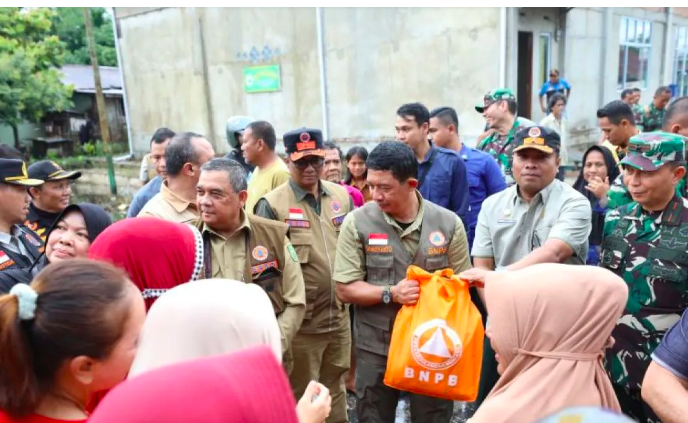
(30, 58)
(69, 27)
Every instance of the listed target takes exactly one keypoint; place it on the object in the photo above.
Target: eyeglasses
(316, 162)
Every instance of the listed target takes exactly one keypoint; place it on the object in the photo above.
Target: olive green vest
(387, 265)
(315, 240)
(265, 257)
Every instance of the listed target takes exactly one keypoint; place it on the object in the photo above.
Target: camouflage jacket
(501, 148)
(638, 111)
(652, 118)
(649, 251)
(618, 194)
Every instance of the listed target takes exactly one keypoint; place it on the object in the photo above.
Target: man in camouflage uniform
(645, 242)
(653, 114)
(675, 121)
(499, 110)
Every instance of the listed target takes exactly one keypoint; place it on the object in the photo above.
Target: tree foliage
(30, 59)
(69, 27)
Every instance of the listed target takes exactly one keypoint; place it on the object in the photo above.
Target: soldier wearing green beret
(646, 242)
(499, 110)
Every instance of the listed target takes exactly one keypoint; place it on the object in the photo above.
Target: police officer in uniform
(19, 247)
(248, 248)
(376, 245)
(234, 129)
(314, 209)
(645, 242)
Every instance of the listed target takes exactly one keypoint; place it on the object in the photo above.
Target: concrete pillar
(607, 22)
(512, 47)
(668, 55)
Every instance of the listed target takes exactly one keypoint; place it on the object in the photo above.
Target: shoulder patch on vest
(260, 253)
(437, 238)
(292, 253)
(335, 206)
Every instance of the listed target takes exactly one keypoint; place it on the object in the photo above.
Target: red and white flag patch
(295, 214)
(3, 257)
(377, 239)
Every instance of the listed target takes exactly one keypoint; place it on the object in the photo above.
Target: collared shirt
(446, 181)
(509, 228)
(263, 207)
(484, 178)
(143, 196)
(350, 265)
(355, 194)
(168, 205)
(364, 188)
(12, 242)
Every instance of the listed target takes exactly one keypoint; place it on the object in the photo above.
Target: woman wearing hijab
(599, 167)
(549, 325)
(70, 237)
(248, 386)
(158, 255)
(209, 318)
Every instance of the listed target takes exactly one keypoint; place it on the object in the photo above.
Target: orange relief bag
(437, 344)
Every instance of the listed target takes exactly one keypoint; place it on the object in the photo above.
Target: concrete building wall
(179, 63)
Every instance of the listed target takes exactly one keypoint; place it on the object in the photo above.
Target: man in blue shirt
(665, 386)
(553, 86)
(484, 176)
(442, 176)
(158, 144)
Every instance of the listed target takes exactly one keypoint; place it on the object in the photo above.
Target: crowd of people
(238, 284)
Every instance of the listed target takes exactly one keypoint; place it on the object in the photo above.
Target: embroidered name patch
(437, 251)
(260, 268)
(5, 260)
(378, 249)
(338, 220)
(32, 240)
(298, 223)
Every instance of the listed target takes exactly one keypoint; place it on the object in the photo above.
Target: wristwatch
(387, 295)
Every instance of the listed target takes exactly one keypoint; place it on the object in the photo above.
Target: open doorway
(525, 74)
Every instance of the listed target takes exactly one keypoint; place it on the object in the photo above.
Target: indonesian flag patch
(3, 257)
(377, 239)
(296, 214)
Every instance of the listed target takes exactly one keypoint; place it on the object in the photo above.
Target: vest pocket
(669, 265)
(311, 297)
(436, 263)
(380, 269)
(613, 255)
(302, 244)
(271, 282)
(372, 336)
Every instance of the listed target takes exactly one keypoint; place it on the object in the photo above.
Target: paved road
(462, 411)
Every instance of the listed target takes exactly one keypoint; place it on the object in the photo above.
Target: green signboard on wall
(262, 79)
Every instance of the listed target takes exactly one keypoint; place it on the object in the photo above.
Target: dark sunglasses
(316, 162)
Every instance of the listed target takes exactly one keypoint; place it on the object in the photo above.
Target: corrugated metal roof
(81, 76)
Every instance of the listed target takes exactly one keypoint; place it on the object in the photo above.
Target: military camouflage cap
(494, 96)
(651, 150)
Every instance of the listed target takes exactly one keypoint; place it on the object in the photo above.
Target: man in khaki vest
(248, 248)
(376, 245)
(314, 209)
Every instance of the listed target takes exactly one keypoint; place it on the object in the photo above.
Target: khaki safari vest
(315, 240)
(386, 264)
(265, 254)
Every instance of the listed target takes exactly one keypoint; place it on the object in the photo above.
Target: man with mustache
(538, 220)
(314, 209)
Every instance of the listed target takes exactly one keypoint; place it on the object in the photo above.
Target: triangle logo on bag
(435, 345)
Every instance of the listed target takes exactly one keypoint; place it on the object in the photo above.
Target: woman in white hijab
(215, 317)
(206, 318)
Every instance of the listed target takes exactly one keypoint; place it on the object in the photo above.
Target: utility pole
(100, 101)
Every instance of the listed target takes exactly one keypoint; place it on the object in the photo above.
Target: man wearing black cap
(314, 209)
(538, 220)
(49, 198)
(19, 247)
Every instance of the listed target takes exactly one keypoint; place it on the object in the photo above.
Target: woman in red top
(70, 333)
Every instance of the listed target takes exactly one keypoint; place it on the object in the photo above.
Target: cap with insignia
(47, 170)
(13, 172)
(537, 138)
(303, 142)
(651, 150)
(493, 97)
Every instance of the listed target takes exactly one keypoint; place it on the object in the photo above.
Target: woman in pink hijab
(549, 325)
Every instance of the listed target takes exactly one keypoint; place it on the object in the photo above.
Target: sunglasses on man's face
(316, 162)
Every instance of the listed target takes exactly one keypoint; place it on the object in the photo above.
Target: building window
(680, 59)
(545, 56)
(635, 43)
